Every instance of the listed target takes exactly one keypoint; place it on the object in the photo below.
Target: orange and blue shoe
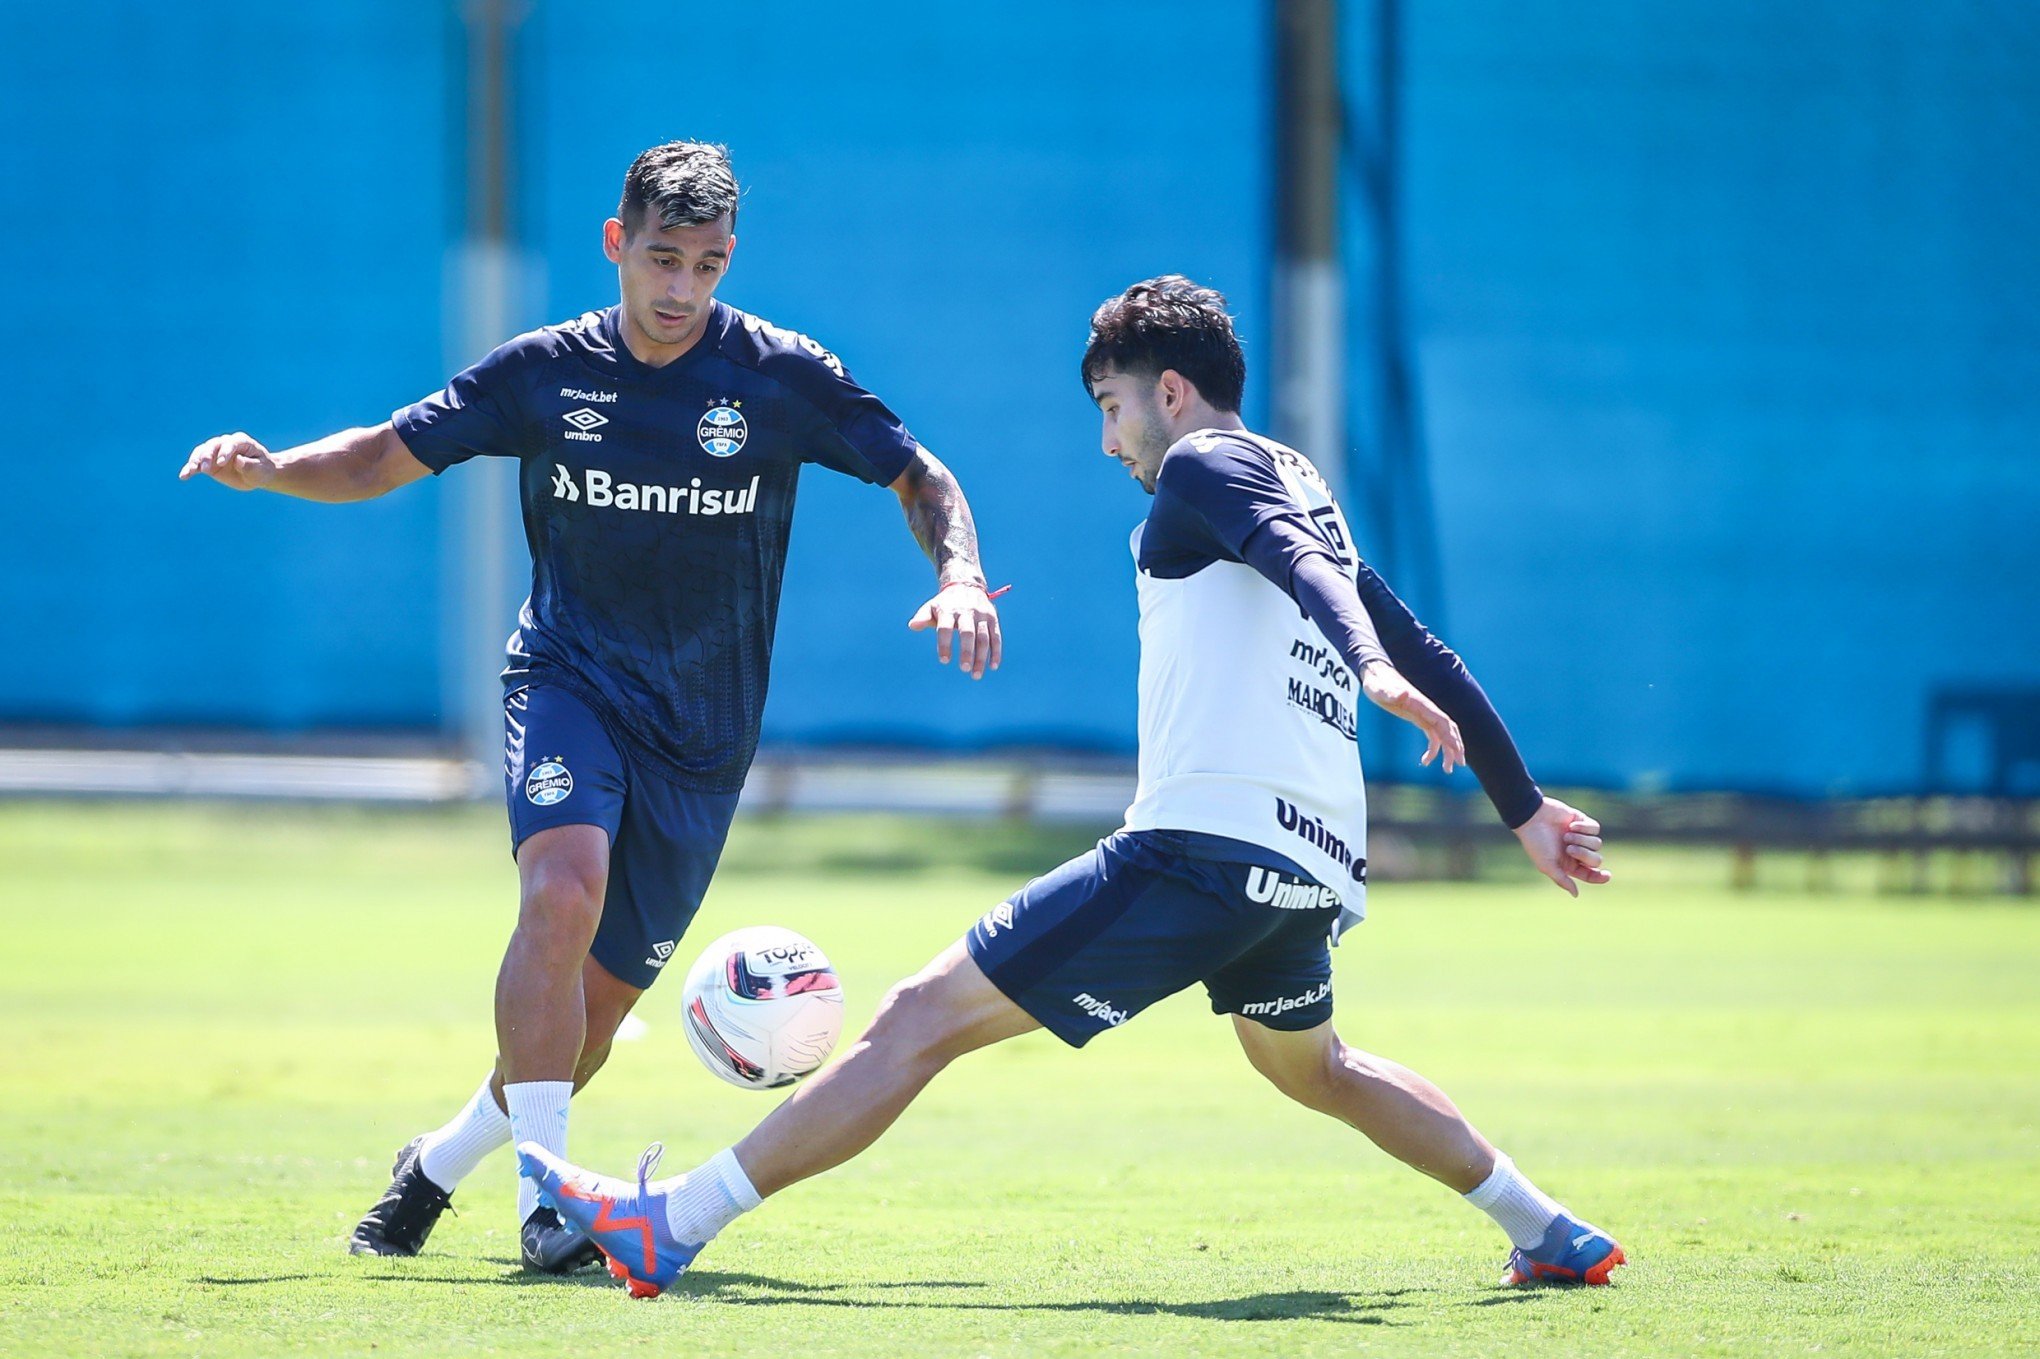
(1572, 1252)
(626, 1222)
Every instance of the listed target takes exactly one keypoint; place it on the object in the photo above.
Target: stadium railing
(1915, 843)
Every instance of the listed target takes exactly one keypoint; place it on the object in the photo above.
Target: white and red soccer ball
(762, 1007)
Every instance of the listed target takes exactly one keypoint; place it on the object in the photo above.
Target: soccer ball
(763, 1007)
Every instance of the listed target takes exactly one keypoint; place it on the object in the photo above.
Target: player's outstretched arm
(963, 616)
(1320, 586)
(1226, 498)
(1563, 843)
(355, 464)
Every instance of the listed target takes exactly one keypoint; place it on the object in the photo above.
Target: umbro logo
(662, 953)
(584, 422)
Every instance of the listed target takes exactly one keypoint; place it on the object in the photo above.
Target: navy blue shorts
(561, 767)
(1090, 945)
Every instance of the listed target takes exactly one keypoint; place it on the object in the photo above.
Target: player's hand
(1565, 844)
(966, 622)
(233, 460)
(1387, 690)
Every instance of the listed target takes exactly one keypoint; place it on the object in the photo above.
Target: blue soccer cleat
(628, 1225)
(1572, 1252)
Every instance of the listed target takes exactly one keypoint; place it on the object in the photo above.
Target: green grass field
(1813, 1121)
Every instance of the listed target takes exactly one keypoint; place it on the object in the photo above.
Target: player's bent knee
(906, 1016)
(1335, 1075)
(564, 877)
(558, 931)
(566, 917)
(562, 897)
(1314, 1087)
(915, 1023)
(1309, 1067)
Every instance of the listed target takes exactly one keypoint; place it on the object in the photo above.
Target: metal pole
(1310, 292)
(1400, 533)
(481, 504)
(1409, 514)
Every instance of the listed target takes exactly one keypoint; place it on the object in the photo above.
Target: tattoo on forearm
(939, 518)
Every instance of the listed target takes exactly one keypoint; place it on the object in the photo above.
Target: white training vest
(1247, 711)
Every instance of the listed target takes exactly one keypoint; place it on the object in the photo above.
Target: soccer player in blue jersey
(660, 442)
(1243, 854)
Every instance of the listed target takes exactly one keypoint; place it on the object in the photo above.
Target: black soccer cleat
(406, 1213)
(550, 1246)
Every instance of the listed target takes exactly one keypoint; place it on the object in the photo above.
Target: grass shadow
(514, 1275)
(513, 1278)
(751, 1290)
(761, 1290)
(704, 1283)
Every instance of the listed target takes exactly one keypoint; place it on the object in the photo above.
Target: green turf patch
(1811, 1119)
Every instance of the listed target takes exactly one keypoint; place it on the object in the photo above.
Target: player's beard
(649, 325)
(1150, 448)
(663, 333)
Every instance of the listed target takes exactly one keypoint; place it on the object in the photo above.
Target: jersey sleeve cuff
(412, 430)
(1517, 811)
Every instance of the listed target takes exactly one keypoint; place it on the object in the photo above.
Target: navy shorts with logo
(1088, 946)
(562, 768)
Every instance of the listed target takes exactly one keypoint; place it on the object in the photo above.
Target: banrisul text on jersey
(657, 505)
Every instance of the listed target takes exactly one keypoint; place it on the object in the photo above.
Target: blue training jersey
(657, 505)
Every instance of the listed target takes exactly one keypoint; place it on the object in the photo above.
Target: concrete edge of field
(1036, 788)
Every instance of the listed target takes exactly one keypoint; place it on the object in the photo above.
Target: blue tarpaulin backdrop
(1725, 323)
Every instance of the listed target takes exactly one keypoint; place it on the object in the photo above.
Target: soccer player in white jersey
(1243, 854)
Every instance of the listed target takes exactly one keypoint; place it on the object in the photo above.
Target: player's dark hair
(686, 183)
(1169, 323)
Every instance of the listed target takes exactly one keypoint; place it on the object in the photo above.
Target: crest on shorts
(548, 783)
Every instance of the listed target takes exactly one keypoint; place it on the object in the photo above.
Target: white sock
(452, 1152)
(708, 1198)
(538, 1113)
(1522, 1209)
